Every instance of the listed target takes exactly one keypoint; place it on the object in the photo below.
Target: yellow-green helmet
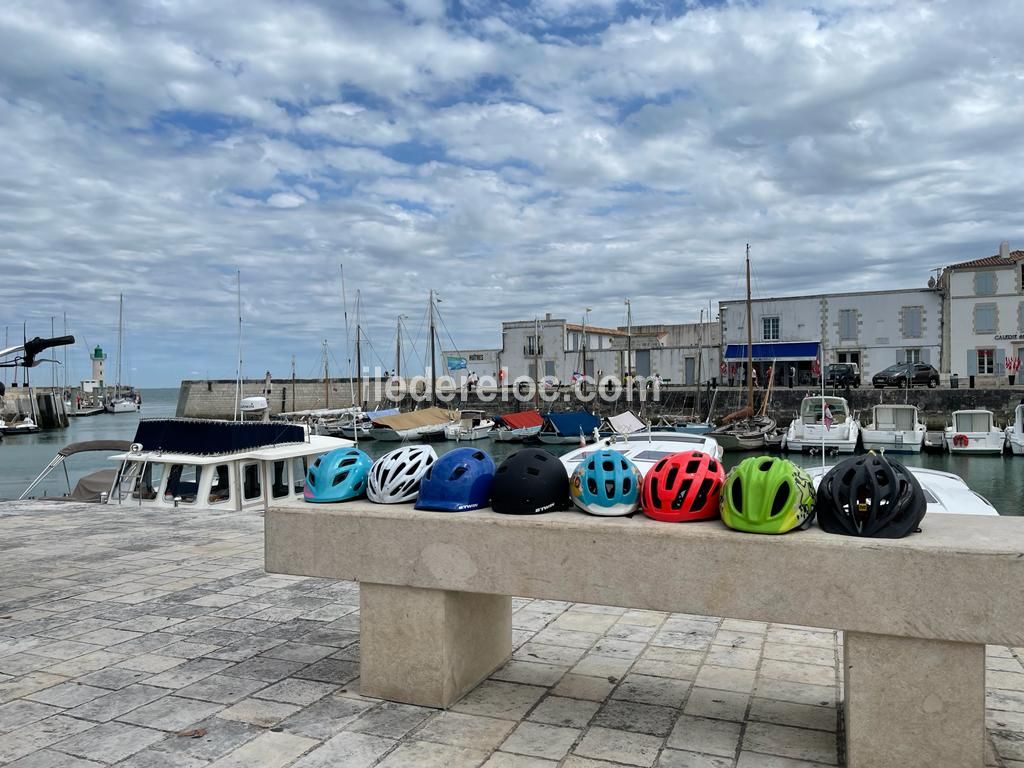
(764, 494)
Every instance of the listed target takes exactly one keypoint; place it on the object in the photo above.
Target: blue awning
(572, 423)
(779, 350)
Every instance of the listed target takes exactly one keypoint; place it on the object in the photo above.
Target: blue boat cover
(779, 350)
(571, 423)
(206, 437)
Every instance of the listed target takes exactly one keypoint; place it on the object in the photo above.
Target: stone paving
(157, 640)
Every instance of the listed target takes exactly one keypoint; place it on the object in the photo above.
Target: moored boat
(569, 427)
(472, 425)
(424, 424)
(945, 492)
(24, 426)
(894, 428)
(824, 424)
(517, 427)
(204, 464)
(645, 449)
(974, 431)
(1015, 431)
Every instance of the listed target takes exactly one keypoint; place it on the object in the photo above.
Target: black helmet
(529, 482)
(870, 496)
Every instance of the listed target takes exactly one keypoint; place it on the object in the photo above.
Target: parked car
(900, 374)
(842, 374)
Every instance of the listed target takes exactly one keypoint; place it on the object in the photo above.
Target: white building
(874, 329)
(984, 301)
(553, 347)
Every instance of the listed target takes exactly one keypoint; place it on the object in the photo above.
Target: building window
(912, 356)
(986, 361)
(912, 322)
(549, 367)
(984, 318)
(984, 283)
(769, 329)
(1020, 317)
(847, 324)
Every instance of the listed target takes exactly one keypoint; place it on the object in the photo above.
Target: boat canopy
(811, 409)
(94, 445)
(207, 436)
(572, 423)
(521, 420)
(972, 421)
(92, 488)
(780, 350)
(626, 423)
(895, 417)
(427, 417)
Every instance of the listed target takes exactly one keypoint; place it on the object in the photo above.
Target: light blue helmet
(606, 483)
(337, 476)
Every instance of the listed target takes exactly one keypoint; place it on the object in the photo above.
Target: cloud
(523, 158)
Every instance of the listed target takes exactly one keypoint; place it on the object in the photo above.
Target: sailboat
(746, 430)
(120, 403)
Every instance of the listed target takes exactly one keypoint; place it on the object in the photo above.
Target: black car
(906, 375)
(842, 375)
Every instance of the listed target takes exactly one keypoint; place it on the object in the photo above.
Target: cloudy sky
(518, 157)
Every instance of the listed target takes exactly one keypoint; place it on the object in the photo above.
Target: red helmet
(684, 486)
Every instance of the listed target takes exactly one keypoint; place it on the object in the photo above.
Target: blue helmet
(337, 476)
(606, 483)
(458, 481)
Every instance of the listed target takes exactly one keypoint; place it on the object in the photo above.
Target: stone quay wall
(216, 398)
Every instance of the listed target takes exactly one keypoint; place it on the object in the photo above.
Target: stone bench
(916, 613)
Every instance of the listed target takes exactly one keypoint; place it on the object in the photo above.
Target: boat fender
(961, 440)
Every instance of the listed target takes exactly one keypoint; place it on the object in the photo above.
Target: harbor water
(999, 479)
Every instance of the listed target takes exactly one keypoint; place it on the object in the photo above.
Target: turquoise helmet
(606, 483)
(337, 476)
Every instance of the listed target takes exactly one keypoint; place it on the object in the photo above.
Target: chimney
(547, 315)
(1004, 250)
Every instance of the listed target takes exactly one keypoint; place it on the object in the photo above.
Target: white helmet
(395, 476)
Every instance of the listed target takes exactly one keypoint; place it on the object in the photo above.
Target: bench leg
(429, 646)
(913, 702)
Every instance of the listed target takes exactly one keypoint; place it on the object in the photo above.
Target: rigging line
(405, 357)
(372, 349)
(455, 347)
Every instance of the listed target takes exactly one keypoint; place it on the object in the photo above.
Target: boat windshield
(973, 421)
(811, 411)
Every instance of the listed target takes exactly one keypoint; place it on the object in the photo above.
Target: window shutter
(1000, 362)
(972, 362)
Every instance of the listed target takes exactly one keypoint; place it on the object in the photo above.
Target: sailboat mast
(327, 381)
(629, 338)
(348, 339)
(398, 347)
(120, 335)
(750, 342)
(700, 358)
(238, 372)
(433, 361)
(359, 352)
(293, 382)
(536, 363)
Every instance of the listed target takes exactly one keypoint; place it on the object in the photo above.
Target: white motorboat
(517, 427)
(974, 431)
(472, 425)
(424, 424)
(645, 449)
(1015, 431)
(25, 426)
(824, 423)
(203, 464)
(945, 492)
(894, 428)
(121, 405)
